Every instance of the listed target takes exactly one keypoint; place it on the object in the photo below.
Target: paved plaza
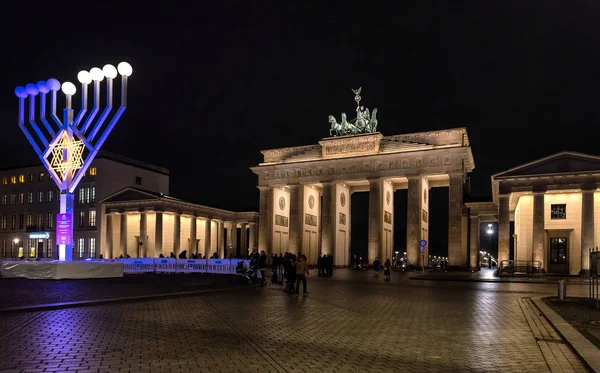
(351, 322)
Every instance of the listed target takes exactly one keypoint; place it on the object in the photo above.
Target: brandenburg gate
(305, 190)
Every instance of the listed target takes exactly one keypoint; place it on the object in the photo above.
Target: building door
(559, 254)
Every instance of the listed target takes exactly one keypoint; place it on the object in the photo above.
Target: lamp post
(74, 142)
(16, 247)
(490, 231)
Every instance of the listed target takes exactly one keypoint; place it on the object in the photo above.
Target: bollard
(562, 290)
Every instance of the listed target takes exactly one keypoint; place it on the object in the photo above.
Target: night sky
(213, 85)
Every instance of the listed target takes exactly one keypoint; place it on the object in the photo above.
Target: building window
(92, 218)
(40, 221)
(558, 211)
(13, 179)
(50, 195)
(31, 178)
(138, 180)
(82, 195)
(21, 220)
(49, 248)
(4, 222)
(50, 220)
(87, 195)
(81, 247)
(13, 199)
(21, 178)
(41, 176)
(5, 199)
(93, 171)
(32, 244)
(92, 247)
(29, 219)
(40, 197)
(13, 222)
(21, 197)
(4, 180)
(30, 197)
(81, 219)
(93, 194)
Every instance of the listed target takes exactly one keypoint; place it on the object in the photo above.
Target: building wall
(281, 221)
(342, 225)
(311, 223)
(572, 222)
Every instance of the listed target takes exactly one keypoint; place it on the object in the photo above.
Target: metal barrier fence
(170, 265)
(528, 267)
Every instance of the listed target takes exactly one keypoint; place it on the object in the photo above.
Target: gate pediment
(350, 146)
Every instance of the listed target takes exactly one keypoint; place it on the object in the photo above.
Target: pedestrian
(262, 266)
(387, 269)
(301, 272)
(376, 266)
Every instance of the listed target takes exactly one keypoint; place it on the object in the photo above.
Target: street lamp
(490, 231)
(74, 142)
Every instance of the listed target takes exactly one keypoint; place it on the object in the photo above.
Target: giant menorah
(67, 147)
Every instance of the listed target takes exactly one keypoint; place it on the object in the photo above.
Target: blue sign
(423, 243)
(137, 262)
(64, 229)
(164, 261)
(217, 262)
(191, 261)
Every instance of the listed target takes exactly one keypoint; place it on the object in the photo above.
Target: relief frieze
(281, 220)
(310, 219)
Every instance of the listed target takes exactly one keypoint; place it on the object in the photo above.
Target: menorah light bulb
(53, 84)
(84, 77)
(31, 89)
(68, 88)
(109, 71)
(42, 86)
(20, 92)
(97, 74)
(125, 69)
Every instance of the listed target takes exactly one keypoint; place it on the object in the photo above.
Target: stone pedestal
(587, 228)
(375, 217)
(457, 256)
(537, 252)
(503, 227)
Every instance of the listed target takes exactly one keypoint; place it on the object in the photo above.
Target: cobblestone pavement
(349, 323)
(23, 292)
(581, 314)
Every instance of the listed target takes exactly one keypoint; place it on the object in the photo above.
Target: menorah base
(59, 270)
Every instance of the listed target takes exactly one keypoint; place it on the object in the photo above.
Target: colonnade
(289, 215)
(151, 233)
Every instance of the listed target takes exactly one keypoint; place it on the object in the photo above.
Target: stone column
(474, 242)
(193, 243)
(296, 217)
(143, 235)
(177, 235)
(413, 221)
(349, 220)
(537, 247)
(207, 238)
(252, 236)
(158, 234)
(244, 240)
(123, 235)
(457, 256)
(503, 227)
(328, 219)
(587, 228)
(233, 239)
(264, 220)
(375, 217)
(109, 237)
(221, 239)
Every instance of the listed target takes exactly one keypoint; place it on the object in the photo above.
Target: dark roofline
(109, 156)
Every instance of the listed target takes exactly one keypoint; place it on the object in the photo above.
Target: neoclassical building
(141, 223)
(305, 193)
(553, 203)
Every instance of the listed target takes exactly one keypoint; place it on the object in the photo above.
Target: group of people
(386, 268)
(325, 265)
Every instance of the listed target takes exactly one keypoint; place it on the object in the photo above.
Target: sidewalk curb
(582, 347)
(96, 302)
(485, 280)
